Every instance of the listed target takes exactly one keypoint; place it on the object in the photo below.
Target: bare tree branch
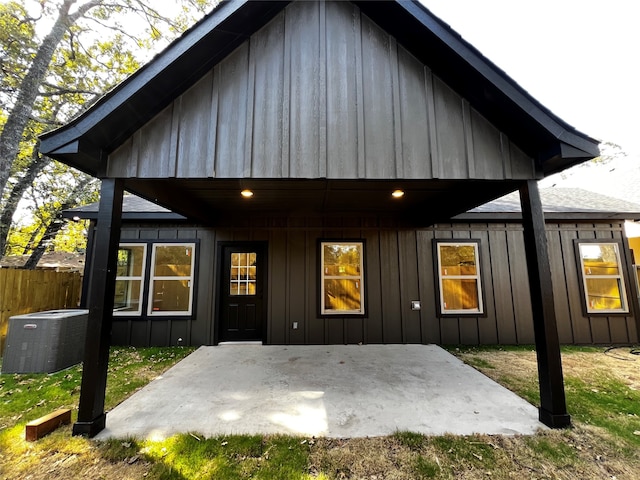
(58, 90)
(115, 29)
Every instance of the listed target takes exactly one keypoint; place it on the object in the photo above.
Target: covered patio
(340, 391)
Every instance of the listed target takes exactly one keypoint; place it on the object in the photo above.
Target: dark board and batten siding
(320, 92)
(399, 268)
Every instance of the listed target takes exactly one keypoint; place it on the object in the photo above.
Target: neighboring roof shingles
(567, 202)
(133, 208)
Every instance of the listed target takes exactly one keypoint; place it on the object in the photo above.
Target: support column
(91, 415)
(86, 278)
(553, 408)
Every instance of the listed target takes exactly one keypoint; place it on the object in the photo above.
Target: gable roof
(85, 141)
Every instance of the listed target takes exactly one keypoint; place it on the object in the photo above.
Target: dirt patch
(620, 363)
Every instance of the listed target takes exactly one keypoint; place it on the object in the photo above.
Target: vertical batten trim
(401, 276)
(359, 92)
(212, 147)
(431, 123)
(134, 159)
(269, 310)
(467, 128)
(322, 94)
(287, 290)
(175, 135)
(418, 276)
(286, 102)
(506, 156)
(396, 107)
(366, 273)
(251, 87)
(307, 291)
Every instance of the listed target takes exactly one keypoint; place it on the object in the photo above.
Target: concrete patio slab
(342, 391)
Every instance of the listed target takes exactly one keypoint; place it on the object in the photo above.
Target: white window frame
(153, 278)
(141, 278)
(360, 278)
(477, 277)
(619, 277)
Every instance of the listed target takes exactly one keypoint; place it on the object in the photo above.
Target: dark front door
(242, 291)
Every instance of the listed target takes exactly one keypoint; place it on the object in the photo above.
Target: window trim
(441, 312)
(147, 282)
(322, 313)
(142, 278)
(622, 275)
(152, 278)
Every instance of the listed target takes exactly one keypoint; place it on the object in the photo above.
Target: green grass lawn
(602, 395)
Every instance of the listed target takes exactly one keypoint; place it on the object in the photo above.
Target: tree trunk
(28, 92)
(49, 234)
(56, 224)
(11, 205)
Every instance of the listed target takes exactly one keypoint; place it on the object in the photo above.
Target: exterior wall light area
(398, 194)
(246, 193)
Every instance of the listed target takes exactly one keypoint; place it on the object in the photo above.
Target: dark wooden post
(86, 278)
(91, 415)
(553, 408)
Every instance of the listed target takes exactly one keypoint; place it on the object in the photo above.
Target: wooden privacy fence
(28, 291)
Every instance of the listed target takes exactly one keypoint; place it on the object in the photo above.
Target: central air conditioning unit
(45, 342)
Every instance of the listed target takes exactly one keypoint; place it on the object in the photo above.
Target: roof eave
(127, 216)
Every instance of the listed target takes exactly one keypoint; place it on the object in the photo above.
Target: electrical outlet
(295, 325)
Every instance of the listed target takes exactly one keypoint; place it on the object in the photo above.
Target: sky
(579, 58)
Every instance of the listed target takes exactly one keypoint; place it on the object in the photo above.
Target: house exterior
(575, 219)
(316, 148)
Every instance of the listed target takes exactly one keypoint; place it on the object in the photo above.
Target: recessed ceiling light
(246, 193)
(398, 194)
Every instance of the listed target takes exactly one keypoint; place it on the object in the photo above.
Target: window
(171, 280)
(156, 278)
(459, 282)
(342, 278)
(243, 274)
(129, 278)
(603, 282)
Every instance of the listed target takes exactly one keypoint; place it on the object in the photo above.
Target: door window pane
(243, 273)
